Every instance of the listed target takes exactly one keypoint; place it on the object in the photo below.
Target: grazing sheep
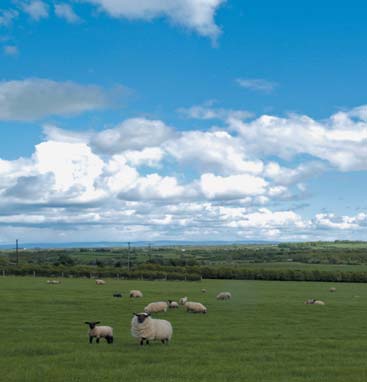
(332, 289)
(195, 307)
(224, 296)
(172, 304)
(203, 290)
(136, 293)
(99, 332)
(118, 295)
(312, 301)
(156, 307)
(148, 329)
(100, 282)
(53, 282)
(182, 300)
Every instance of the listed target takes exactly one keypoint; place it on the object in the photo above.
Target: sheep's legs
(90, 339)
(109, 339)
(142, 341)
(97, 340)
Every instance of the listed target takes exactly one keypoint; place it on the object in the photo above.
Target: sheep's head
(92, 325)
(141, 316)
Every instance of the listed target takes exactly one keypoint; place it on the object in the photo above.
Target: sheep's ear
(97, 322)
(135, 314)
(86, 322)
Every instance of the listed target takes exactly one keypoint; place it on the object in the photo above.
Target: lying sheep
(312, 301)
(182, 300)
(195, 307)
(117, 294)
(148, 329)
(53, 282)
(100, 282)
(136, 293)
(156, 307)
(99, 332)
(332, 289)
(172, 304)
(224, 296)
(203, 290)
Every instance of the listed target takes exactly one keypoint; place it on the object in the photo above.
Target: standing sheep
(136, 293)
(100, 282)
(224, 296)
(148, 329)
(182, 300)
(195, 307)
(99, 332)
(53, 282)
(332, 289)
(203, 290)
(156, 307)
(172, 304)
(312, 301)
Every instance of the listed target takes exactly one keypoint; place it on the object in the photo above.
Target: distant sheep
(156, 307)
(173, 304)
(195, 307)
(224, 296)
(118, 295)
(99, 332)
(203, 290)
(136, 294)
(183, 300)
(53, 282)
(148, 329)
(332, 289)
(100, 282)
(314, 302)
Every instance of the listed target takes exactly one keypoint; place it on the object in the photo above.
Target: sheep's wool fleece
(151, 329)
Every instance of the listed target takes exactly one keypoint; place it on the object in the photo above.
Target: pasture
(265, 333)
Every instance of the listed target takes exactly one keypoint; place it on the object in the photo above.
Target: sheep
(332, 289)
(99, 332)
(195, 307)
(136, 293)
(312, 301)
(224, 296)
(100, 282)
(117, 294)
(155, 307)
(146, 328)
(53, 282)
(203, 290)
(182, 300)
(172, 304)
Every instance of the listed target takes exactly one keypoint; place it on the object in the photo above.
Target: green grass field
(265, 333)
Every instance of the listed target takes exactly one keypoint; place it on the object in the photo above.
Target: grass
(265, 333)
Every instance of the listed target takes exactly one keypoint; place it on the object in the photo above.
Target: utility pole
(17, 251)
(128, 257)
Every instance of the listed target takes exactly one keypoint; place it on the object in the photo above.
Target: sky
(182, 120)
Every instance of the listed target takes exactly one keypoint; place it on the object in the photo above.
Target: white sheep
(183, 300)
(99, 332)
(195, 307)
(173, 304)
(53, 282)
(148, 329)
(224, 296)
(136, 293)
(100, 282)
(203, 290)
(332, 289)
(156, 307)
(312, 301)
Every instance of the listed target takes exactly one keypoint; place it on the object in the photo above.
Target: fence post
(34, 273)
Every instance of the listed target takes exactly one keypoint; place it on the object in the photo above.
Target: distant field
(265, 333)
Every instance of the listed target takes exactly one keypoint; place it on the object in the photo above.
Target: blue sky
(182, 119)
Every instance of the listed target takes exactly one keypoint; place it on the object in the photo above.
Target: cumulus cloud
(257, 84)
(197, 15)
(32, 99)
(11, 50)
(36, 9)
(66, 12)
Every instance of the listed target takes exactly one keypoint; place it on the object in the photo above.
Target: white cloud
(7, 16)
(193, 14)
(33, 99)
(65, 11)
(207, 112)
(36, 9)
(132, 134)
(257, 84)
(11, 50)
